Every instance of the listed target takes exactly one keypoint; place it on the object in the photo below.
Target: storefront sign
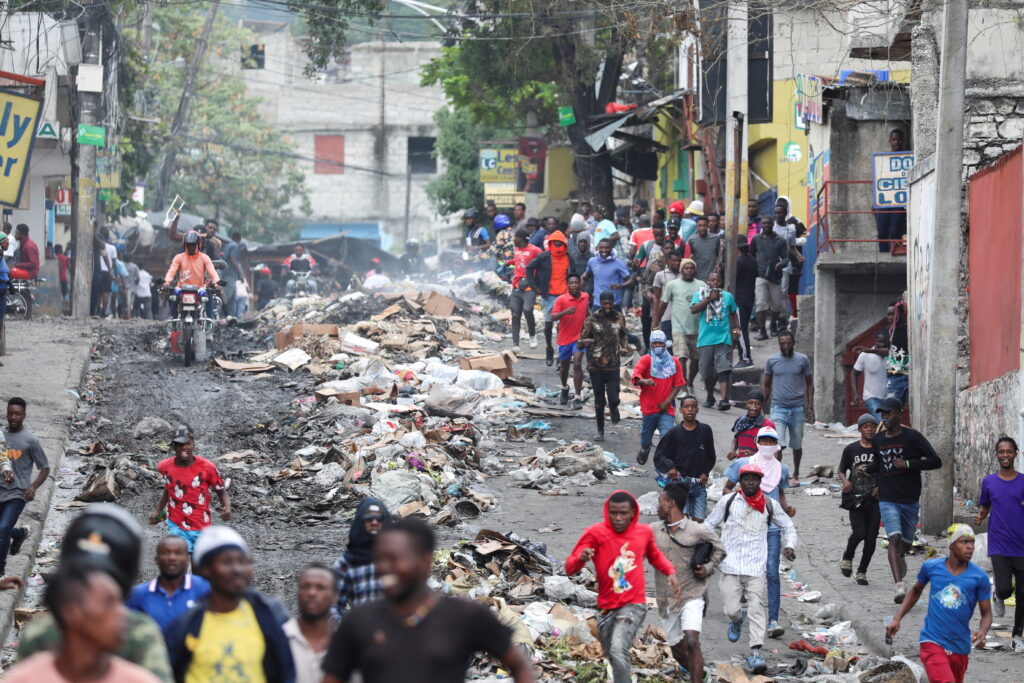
(498, 163)
(808, 97)
(19, 118)
(889, 179)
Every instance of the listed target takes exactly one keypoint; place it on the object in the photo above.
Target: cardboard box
(350, 398)
(289, 334)
(438, 305)
(499, 364)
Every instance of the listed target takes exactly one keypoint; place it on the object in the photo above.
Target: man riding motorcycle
(192, 267)
(300, 262)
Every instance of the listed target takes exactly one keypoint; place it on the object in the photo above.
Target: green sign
(92, 135)
(106, 194)
(566, 117)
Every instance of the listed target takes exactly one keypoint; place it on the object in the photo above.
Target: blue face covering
(663, 365)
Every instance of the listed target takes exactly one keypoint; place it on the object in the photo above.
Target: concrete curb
(50, 424)
(871, 635)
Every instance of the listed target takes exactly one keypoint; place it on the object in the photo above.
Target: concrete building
(364, 128)
(35, 50)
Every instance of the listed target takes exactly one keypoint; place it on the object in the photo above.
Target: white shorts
(686, 617)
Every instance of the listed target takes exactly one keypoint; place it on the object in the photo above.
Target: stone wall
(993, 126)
(984, 413)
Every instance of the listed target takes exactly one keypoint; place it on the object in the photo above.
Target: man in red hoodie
(547, 274)
(618, 547)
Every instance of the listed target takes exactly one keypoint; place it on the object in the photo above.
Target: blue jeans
(772, 571)
(873, 404)
(697, 503)
(900, 519)
(655, 421)
(9, 512)
(899, 386)
(789, 423)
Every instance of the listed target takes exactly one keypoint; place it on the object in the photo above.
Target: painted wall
(768, 146)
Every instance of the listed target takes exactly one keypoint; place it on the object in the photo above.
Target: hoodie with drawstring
(548, 271)
(619, 559)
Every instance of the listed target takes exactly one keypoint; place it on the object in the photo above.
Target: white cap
(696, 207)
(214, 539)
(767, 431)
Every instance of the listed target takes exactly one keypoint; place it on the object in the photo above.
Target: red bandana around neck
(757, 501)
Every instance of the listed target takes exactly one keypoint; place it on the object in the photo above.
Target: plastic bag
(436, 368)
(450, 401)
(396, 488)
(577, 458)
(481, 380)
(648, 503)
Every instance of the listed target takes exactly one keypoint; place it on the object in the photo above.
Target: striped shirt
(745, 534)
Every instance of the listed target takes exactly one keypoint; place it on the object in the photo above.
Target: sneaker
(745, 363)
(577, 404)
(710, 403)
(614, 414)
(846, 567)
(724, 405)
(599, 437)
(550, 358)
(533, 342)
(735, 629)
(563, 398)
(1017, 644)
(998, 606)
(756, 663)
(901, 592)
(641, 457)
(774, 630)
(862, 578)
(18, 536)
(515, 348)
(763, 336)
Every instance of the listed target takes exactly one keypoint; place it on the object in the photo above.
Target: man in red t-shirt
(523, 296)
(660, 378)
(570, 310)
(189, 481)
(62, 265)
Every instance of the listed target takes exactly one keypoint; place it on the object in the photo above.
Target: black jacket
(538, 273)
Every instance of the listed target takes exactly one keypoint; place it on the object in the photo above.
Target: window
(329, 153)
(421, 155)
(254, 57)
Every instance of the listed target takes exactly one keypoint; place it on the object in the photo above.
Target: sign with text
(19, 118)
(889, 179)
(808, 97)
(92, 135)
(498, 163)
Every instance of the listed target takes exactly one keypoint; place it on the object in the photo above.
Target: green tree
(458, 138)
(233, 165)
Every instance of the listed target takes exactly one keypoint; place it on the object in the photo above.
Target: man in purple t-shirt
(1002, 496)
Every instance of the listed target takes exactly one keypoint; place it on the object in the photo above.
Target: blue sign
(890, 173)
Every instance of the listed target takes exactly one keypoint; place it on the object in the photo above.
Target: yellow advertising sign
(19, 118)
(499, 164)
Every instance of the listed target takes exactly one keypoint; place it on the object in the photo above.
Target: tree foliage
(232, 164)
(458, 138)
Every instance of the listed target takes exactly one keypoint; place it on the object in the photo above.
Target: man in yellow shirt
(236, 633)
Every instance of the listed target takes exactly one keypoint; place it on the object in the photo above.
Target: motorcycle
(19, 295)
(301, 287)
(191, 323)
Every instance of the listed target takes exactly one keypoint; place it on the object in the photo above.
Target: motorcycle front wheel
(188, 344)
(17, 306)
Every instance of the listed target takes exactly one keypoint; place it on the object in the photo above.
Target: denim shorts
(789, 423)
(900, 519)
(547, 303)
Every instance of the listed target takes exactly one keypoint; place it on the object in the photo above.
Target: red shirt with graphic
(189, 490)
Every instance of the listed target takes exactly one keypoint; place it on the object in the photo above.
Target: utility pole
(83, 169)
(936, 404)
(736, 137)
(181, 116)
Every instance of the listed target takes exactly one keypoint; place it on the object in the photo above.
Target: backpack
(768, 506)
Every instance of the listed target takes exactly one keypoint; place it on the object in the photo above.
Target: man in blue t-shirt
(773, 484)
(957, 585)
(719, 325)
(174, 591)
(609, 274)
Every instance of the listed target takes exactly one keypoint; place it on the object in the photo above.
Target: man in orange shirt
(192, 267)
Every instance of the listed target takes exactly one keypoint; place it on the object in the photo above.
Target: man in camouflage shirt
(605, 340)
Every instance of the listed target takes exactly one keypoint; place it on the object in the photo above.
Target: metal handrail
(822, 214)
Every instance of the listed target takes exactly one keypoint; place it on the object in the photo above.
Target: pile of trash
(553, 617)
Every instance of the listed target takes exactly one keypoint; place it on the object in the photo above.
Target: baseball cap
(182, 435)
(751, 469)
(767, 432)
(890, 404)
